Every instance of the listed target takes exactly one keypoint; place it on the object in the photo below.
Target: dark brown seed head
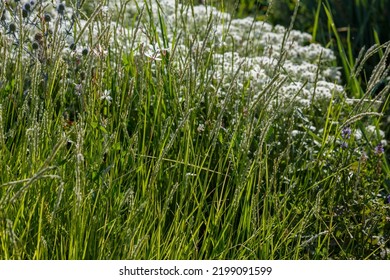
(38, 37)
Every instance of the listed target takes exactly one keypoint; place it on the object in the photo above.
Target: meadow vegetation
(152, 129)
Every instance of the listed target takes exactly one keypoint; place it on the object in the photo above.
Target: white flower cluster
(245, 50)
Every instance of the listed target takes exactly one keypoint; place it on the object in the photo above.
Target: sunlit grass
(137, 144)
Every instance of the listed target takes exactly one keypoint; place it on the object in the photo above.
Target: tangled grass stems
(159, 130)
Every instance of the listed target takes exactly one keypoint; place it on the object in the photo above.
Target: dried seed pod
(47, 17)
(27, 7)
(38, 37)
(35, 45)
(12, 27)
(24, 13)
(61, 8)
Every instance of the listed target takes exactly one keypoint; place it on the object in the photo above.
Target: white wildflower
(106, 96)
(200, 128)
(154, 52)
(105, 10)
(295, 133)
(372, 129)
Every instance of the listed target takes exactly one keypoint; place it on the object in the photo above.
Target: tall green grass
(164, 171)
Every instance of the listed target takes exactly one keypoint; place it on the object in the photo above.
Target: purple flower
(379, 149)
(387, 200)
(346, 132)
(344, 145)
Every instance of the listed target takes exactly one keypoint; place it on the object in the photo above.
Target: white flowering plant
(130, 122)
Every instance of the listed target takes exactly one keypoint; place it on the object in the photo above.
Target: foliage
(158, 130)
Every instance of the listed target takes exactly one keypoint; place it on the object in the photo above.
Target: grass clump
(156, 130)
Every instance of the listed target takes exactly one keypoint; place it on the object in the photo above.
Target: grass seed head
(47, 17)
(35, 45)
(61, 8)
(24, 13)
(12, 27)
(27, 7)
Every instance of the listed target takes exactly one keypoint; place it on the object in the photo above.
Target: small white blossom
(295, 133)
(154, 52)
(105, 10)
(372, 129)
(358, 134)
(106, 96)
(200, 128)
(78, 89)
